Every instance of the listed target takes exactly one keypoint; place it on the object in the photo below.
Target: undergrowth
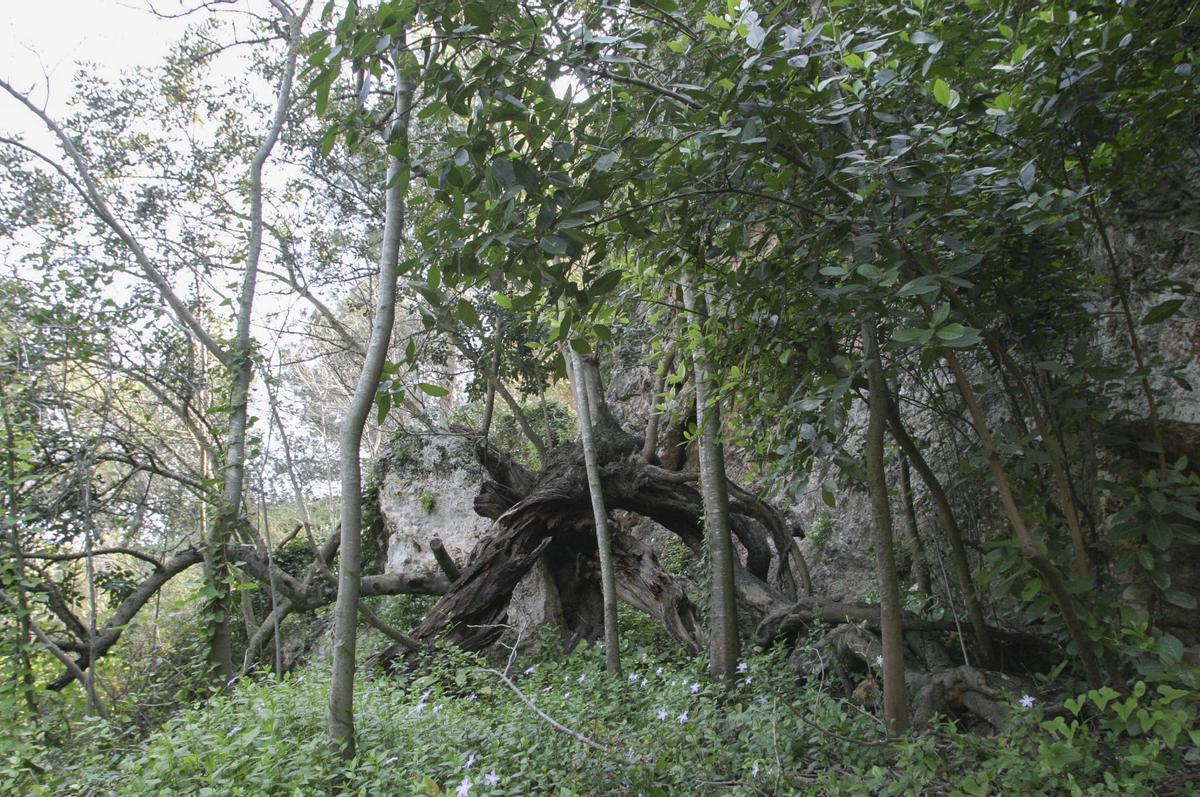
(452, 726)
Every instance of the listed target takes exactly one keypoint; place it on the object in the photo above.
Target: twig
(558, 726)
(885, 743)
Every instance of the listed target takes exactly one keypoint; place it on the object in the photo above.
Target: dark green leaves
(1162, 312)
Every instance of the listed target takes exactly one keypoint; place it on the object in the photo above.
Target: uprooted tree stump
(546, 516)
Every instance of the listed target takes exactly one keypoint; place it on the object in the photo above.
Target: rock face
(426, 491)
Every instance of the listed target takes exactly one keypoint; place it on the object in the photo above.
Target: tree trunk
(920, 562)
(895, 694)
(1030, 548)
(241, 362)
(723, 642)
(954, 535)
(581, 382)
(345, 633)
(650, 446)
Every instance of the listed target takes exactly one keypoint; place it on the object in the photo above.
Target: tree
(341, 689)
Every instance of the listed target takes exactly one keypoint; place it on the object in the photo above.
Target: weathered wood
(444, 560)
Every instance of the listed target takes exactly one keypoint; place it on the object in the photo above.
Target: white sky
(45, 39)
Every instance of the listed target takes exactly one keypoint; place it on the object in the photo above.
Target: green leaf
(1170, 648)
(717, 22)
(1162, 312)
(941, 92)
(1028, 175)
(466, 314)
(1159, 534)
(951, 332)
(912, 335)
(921, 286)
(1179, 598)
(605, 161)
(328, 141)
(554, 245)
(437, 391)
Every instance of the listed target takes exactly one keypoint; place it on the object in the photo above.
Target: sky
(41, 41)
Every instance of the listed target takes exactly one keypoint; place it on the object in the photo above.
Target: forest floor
(556, 724)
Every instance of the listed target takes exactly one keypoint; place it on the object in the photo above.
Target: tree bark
(650, 446)
(724, 646)
(895, 693)
(1030, 548)
(954, 535)
(345, 634)
(580, 383)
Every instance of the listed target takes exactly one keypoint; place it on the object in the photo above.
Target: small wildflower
(742, 667)
(491, 779)
(389, 761)
(695, 688)
(682, 718)
(464, 788)
(662, 714)
(1027, 701)
(236, 730)
(470, 761)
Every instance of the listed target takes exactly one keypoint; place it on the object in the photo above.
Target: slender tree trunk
(724, 644)
(920, 562)
(954, 534)
(895, 695)
(12, 511)
(650, 447)
(1030, 548)
(608, 584)
(489, 401)
(345, 632)
(241, 363)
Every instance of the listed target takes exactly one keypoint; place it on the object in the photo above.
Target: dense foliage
(1002, 194)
